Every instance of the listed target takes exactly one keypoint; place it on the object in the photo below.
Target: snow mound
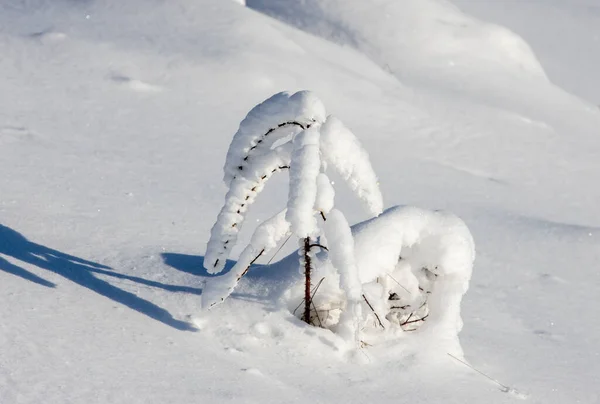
(407, 36)
(416, 266)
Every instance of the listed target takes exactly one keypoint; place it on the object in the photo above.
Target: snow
(115, 120)
(343, 151)
(572, 25)
(242, 193)
(304, 171)
(265, 238)
(341, 252)
(424, 260)
(325, 194)
(266, 123)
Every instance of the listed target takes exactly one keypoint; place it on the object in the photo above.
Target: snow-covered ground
(115, 118)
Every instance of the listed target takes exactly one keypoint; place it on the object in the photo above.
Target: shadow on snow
(81, 272)
(192, 264)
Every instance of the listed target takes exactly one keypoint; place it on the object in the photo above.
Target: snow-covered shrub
(293, 132)
(415, 266)
(402, 271)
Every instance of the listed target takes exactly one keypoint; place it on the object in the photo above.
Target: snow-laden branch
(243, 191)
(280, 116)
(265, 238)
(341, 149)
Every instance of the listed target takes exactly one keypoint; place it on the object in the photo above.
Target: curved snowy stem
(341, 149)
(242, 193)
(265, 238)
(275, 118)
(266, 140)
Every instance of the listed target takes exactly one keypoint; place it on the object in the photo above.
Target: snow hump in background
(409, 35)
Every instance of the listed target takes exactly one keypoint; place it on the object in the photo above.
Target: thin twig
(317, 287)
(250, 264)
(504, 387)
(374, 312)
(314, 291)
(409, 317)
(318, 245)
(415, 321)
(279, 249)
(394, 279)
(316, 313)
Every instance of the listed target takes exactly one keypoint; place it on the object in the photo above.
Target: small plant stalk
(307, 294)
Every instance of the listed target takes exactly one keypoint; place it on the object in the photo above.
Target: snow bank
(410, 35)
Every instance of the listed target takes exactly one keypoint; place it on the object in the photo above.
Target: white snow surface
(115, 118)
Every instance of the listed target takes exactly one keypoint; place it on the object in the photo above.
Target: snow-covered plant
(404, 270)
(415, 266)
(293, 132)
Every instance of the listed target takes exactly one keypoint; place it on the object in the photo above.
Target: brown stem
(307, 296)
(259, 141)
(374, 312)
(250, 264)
(314, 291)
(414, 321)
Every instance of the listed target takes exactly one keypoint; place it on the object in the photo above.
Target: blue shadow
(81, 272)
(192, 264)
